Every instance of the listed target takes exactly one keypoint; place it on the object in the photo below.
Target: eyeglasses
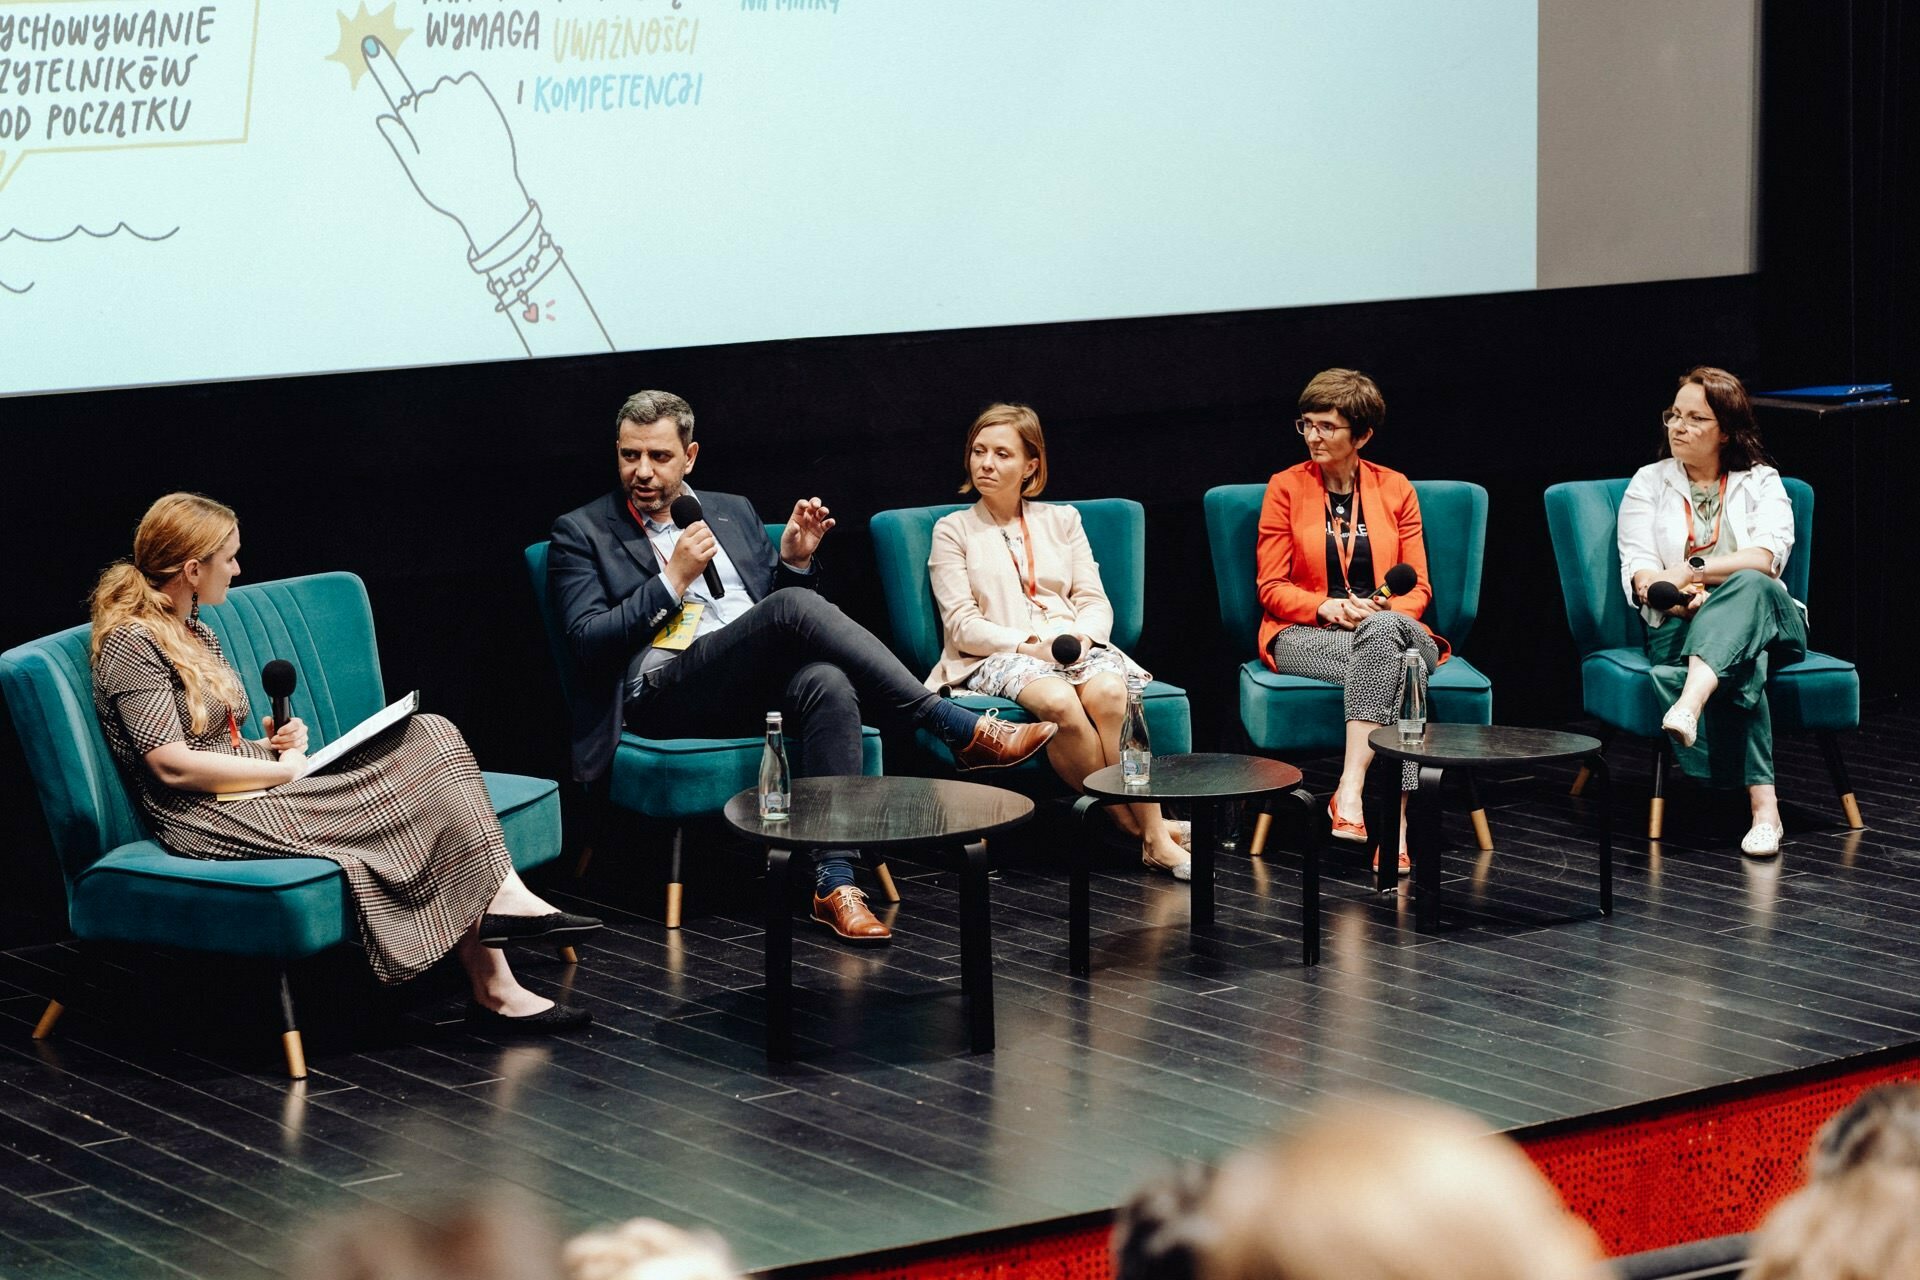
(1672, 418)
(1304, 426)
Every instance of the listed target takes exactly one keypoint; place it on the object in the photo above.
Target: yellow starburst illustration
(357, 28)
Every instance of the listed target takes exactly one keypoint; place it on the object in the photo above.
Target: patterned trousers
(1366, 661)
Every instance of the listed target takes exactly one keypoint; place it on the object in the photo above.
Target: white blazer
(1654, 518)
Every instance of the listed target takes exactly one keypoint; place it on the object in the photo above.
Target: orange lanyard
(1345, 548)
(233, 727)
(1033, 576)
(1695, 548)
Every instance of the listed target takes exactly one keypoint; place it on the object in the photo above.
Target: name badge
(679, 632)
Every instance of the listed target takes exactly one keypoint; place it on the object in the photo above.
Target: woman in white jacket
(1712, 519)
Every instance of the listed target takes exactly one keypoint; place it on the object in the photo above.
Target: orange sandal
(1344, 830)
(1406, 864)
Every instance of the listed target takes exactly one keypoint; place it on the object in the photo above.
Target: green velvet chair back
(48, 685)
(1453, 516)
(1583, 518)
(903, 539)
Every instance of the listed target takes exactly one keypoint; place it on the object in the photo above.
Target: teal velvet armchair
(1819, 694)
(1295, 715)
(123, 887)
(675, 779)
(1116, 529)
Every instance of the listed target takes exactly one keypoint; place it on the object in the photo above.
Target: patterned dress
(406, 815)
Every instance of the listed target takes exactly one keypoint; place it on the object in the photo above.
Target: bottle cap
(773, 719)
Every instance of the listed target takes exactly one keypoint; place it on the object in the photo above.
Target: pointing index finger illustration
(392, 80)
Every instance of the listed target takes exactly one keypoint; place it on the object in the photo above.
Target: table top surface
(1468, 744)
(1207, 775)
(871, 813)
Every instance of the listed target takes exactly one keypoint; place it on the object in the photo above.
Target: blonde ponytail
(178, 528)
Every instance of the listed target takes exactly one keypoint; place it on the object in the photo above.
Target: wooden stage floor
(145, 1140)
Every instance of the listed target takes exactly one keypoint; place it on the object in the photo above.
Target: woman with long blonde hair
(406, 815)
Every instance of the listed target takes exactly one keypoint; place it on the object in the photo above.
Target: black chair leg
(1080, 891)
(1424, 842)
(1603, 824)
(779, 962)
(1381, 806)
(674, 884)
(1657, 808)
(1842, 784)
(290, 1031)
(976, 946)
(1313, 837)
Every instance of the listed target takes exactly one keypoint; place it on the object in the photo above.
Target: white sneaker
(1681, 725)
(1763, 841)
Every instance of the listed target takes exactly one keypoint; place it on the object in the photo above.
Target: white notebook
(385, 718)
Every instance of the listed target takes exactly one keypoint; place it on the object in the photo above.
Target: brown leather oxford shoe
(997, 743)
(844, 911)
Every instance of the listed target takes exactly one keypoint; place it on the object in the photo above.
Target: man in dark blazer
(663, 652)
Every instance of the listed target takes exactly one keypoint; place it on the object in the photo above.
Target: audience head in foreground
(1160, 1233)
(1881, 1126)
(1863, 1224)
(495, 1234)
(1393, 1189)
(647, 1249)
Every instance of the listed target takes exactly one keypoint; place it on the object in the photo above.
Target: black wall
(428, 482)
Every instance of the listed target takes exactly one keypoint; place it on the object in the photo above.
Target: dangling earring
(193, 614)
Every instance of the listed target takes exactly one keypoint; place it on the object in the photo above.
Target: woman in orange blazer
(1329, 530)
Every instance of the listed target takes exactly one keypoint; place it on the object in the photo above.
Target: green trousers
(1745, 619)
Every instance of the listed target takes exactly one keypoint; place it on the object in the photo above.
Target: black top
(1344, 509)
(870, 813)
(1199, 776)
(1470, 744)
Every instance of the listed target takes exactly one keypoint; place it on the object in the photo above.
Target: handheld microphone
(685, 511)
(1663, 595)
(1066, 649)
(1400, 580)
(279, 679)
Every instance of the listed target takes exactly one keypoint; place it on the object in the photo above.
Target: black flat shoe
(547, 1022)
(558, 928)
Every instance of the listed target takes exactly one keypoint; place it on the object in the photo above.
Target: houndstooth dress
(406, 815)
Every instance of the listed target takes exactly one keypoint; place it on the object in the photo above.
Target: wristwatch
(1699, 566)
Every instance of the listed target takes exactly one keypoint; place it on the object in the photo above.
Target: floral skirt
(1004, 675)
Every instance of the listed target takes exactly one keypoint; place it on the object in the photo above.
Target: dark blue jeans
(795, 653)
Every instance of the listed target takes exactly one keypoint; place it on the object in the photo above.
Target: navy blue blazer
(604, 582)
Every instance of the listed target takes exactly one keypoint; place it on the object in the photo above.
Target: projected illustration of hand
(454, 143)
(456, 147)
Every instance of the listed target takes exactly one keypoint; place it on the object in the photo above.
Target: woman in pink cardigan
(1009, 576)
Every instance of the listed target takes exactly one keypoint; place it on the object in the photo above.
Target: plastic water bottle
(1136, 757)
(776, 780)
(1413, 699)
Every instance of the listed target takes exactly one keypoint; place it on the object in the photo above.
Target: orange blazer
(1291, 556)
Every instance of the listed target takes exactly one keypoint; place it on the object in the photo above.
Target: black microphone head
(685, 510)
(279, 678)
(1402, 579)
(1066, 650)
(1663, 595)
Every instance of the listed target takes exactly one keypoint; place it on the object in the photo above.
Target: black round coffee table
(935, 814)
(1470, 746)
(1206, 779)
